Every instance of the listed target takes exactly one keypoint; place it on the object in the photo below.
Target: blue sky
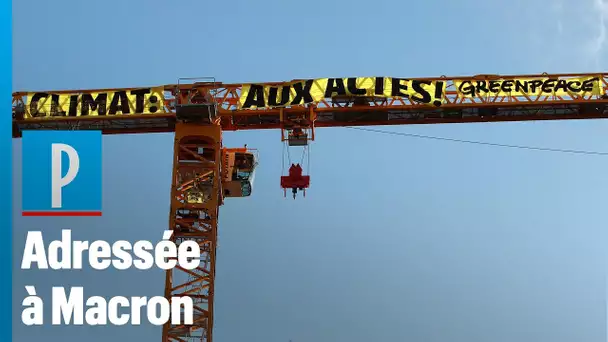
(398, 238)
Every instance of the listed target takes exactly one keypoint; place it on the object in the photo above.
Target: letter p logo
(57, 180)
(61, 173)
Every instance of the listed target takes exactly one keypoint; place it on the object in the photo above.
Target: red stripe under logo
(61, 213)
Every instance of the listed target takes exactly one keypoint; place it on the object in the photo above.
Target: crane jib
(326, 102)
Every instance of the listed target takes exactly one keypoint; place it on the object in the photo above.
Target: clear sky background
(398, 239)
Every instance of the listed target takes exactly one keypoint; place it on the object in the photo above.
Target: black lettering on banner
(73, 111)
(255, 97)
(549, 85)
(335, 85)
(379, 86)
(272, 96)
(588, 84)
(534, 85)
(34, 110)
(574, 86)
(425, 96)
(438, 93)
(397, 87)
(506, 85)
(302, 92)
(522, 86)
(120, 103)
(98, 104)
(561, 85)
(494, 86)
(154, 105)
(56, 106)
(467, 88)
(140, 97)
(481, 86)
(351, 84)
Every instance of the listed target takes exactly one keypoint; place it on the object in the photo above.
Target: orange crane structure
(205, 172)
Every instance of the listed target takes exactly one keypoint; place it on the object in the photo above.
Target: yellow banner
(583, 86)
(313, 91)
(115, 102)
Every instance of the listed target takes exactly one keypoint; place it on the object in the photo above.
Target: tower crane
(205, 173)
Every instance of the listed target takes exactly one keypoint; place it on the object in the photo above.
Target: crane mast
(205, 173)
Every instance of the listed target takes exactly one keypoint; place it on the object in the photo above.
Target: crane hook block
(295, 181)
